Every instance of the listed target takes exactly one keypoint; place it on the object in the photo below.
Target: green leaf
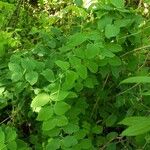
(59, 95)
(45, 113)
(28, 64)
(72, 95)
(14, 67)
(118, 3)
(49, 124)
(137, 79)
(40, 100)
(82, 71)
(97, 129)
(114, 48)
(137, 125)
(61, 107)
(62, 64)
(76, 39)
(39, 66)
(74, 61)
(69, 141)
(111, 120)
(130, 121)
(112, 135)
(104, 21)
(79, 52)
(31, 77)
(49, 75)
(111, 146)
(21, 145)
(116, 70)
(78, 2)
(123, 22)
(138, 129)
(12, 145)
(92, 66)
(53, 144)
(147, 93)
(91, 51)
(53, 133)
(61, 121)
(80, 134)
(89, 82)
(10, 134)
(114, 61)
(86, 144)
(2, 136)
(16, 76)
(71, 76)
(71, 128)
(106, 53)
(111, 31)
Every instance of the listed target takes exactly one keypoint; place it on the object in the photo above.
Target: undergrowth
(74, 76)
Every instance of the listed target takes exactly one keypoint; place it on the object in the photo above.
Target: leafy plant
(73, 76)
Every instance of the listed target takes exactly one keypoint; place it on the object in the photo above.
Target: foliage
(73, 76)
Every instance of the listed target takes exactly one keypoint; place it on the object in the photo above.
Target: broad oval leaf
(62, 64)
(59, 95)
(115, 61)
(53, 144)
(61, 121)
(28, 64)
(49, 124)
(111, 31)
(71, 76)
(69, 141)
(45, 113)
(82, 71)
(31, 77)
(76, 39)
(61, 107)
(40, 100)
(92, 66)
(49, 75)
(91, 51)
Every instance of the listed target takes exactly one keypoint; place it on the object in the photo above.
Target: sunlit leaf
(137, 79)
(40, 100)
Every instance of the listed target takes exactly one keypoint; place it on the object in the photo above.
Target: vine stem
(140, 3)
(128, 89)
(126, 36)
(135, 50)
(5, 120)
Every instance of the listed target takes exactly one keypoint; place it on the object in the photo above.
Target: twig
(147, 56)
(5, 120)
(133, 33)
(135, 50)
(128, 89)
(140, 2)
